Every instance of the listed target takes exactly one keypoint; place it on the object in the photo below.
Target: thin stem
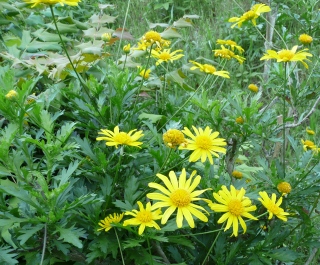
(115, 230)
(213, 243)
(284, 123)
(149, 248)
(44, 244)
(123, 27)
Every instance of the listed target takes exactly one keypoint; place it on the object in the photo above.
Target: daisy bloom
(288, 55)
(106, 223)
(309, 145)
(252, 15)
(115, 138)
(141, 46)
(126, 48)
(239, 120)
(144, 217)
(284, 187)
(12, 94)
(174, 138)
(237, 174)
(235, 205)
(232, 44)
(305, 39)
(166, 56)
(310, 132)
(178, 195)
(209, 69)
(53, 2)
(254, 88)
(204, 144)
(145, 74)
(151, 37)
(228, 54)
(272, 206)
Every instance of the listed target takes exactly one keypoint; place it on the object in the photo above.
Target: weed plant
(159, 132)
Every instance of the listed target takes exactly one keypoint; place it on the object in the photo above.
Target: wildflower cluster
(229, 52)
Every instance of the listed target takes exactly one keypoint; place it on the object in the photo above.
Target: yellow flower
(178, 195)
(284, 187)
(151, 37)
(228, 54)
(239, 120)
(253, 88)
(310, 132)
(145, 74)
(235, 205)
(288, 55)
(231, 44)
(272, 206)
(144, 217)
(309, 145)
(204, 144)
(107, 222)
(237, 174)
(115, 138)
(12, 94)
(174, 138)
(53, 2)
(252, 15)
(106, 37)
(305, 39)
(209, 69)
(141, 46)
(166, 56)
(126, 48)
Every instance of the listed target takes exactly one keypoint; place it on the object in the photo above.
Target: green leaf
(29, 232)
(131, 189)
(284, 254)
(132, 242)
(6, 257)
(152, 117)
(71, 235)
(181, 241)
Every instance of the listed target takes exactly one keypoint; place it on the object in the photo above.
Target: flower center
(286, 55)
(249, 15)
(165, 56)
(309, 144)
(152, 36)
(274, 209)
(144, 216)
(203, 142)
(122, 138)
(209, 69)
(180, 198)
(224, 53)
(235, 207)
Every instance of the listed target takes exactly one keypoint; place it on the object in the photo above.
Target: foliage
(64, 76)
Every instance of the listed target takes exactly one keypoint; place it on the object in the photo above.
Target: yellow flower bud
(11, 95)
(237, 174)
(253, 88)
(126, 48)
(284, 187)
(305, 39)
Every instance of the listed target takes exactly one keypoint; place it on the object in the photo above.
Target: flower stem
(44, 243)
(213, 243)
(284, 123)
(149, 248)
(119, 247)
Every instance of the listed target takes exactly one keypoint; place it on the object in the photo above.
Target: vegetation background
(57, 182)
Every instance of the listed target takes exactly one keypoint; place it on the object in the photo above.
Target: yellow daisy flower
(178, 195)
(254, 88)
(239, 120)
(145, 73)
(309, 145)
(166, 56)
(235, 205)
(107, 222)
(204, 144)
(310, 132)
(284, 187)
(305, 39)
(237, 174)
(141, 46)
(252, 15)
(174, 138)
(53, 2)
(12, 94)
(115, 138)
(272, 206)
(209, 69)
(288, 55)
(151, 37)
(232, 44)
(228, 54)
(144, 217)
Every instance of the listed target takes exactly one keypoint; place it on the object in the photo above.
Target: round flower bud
(174, 138)
(284, 187)
(253, 88)
(237, 174)
(239, 120)
(305, 39)
(11, 95)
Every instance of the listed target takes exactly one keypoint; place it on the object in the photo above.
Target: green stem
(213, 243)
(44, 244)
(284, 123)
(71, 63)
(149, 248)
(119, 247)
(123, 27)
